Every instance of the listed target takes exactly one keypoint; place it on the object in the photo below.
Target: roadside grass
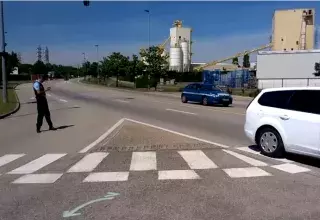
(111, 82)
(11, 104)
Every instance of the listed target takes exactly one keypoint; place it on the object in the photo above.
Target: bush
(142, 82)
(254, 93)
(19, 78)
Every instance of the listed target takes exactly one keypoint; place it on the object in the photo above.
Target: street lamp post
(85, 65)
(148, 11)
(3, 50)
(97, 46)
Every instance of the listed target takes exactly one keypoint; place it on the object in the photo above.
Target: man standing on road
(42, 104)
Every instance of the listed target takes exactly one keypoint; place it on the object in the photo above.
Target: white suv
(287, 119)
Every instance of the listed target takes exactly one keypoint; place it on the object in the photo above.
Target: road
(130, 155)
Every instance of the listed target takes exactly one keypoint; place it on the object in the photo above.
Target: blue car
(205, 94)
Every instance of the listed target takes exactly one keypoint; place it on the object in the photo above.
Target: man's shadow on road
(58, 128)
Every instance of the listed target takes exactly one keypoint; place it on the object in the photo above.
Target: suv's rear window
(276, 99)
(305, 101)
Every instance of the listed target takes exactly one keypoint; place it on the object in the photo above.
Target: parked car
(285, 120)
(206, 94)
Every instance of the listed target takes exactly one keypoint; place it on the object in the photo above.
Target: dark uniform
(42, 106)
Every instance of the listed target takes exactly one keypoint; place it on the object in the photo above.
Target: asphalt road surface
(130, 155)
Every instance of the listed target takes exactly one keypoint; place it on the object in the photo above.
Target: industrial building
(180, 47)
(289, 61)
(292, 59)
(293, 30)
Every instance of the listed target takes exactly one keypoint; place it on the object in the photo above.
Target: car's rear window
(276, 99)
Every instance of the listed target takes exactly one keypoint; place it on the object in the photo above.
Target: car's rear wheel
(270, 142)
(204, 101)
(226, 104)
(184, 99)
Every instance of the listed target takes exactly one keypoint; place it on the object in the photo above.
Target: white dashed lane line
(183, 112)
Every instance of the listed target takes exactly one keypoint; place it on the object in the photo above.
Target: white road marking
(178, 133)
(143, 161)
(63, 100)
(248, 150)
(49, 95)
(37, 164)
(291, 168)
(119, 100)
(201, 108)
(32, 98)
(246, 159)
(9, 158)
(103, 136)
(88, 163)
(38, 178)
(196, 159)
(246, 172)
(107, 177)
(177, 175)
(174, 110)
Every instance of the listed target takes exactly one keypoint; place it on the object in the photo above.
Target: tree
(92, 70)
(156, 64)
(317, 69)
(118, 65)
(235, 61)
(39, 68)
(25, 68)
(11, 60)
(136, 68)
(246, 61)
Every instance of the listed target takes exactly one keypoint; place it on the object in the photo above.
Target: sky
(68, 29)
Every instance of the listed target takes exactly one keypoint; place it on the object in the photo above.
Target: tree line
(144, 72)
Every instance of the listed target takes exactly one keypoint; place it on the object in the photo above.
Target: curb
(15, 109)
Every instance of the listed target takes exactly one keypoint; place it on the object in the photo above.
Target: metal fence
(234, 79)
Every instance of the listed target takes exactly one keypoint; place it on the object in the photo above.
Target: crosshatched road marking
(102, 137)
(38, 178)
(177, 175)
(107, 177)
(143, 161)
(196, 159)
(8, 158)
(248, 150)
(37, 164)
(246, 172)
(88, 163)
(291, 168)
(246, 159)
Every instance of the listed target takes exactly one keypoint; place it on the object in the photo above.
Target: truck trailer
(287, 68)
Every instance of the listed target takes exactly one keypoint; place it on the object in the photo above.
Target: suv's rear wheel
(270, 142)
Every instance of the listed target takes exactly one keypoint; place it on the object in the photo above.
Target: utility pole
(3, 51)
(148, 11)
(97, 46)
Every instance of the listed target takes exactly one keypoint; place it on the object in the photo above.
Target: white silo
(185, 55)
(176, 59)
(178, 34)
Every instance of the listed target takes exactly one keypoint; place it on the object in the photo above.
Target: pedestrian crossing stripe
(140, 161)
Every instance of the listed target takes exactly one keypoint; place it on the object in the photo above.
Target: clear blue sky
(68, 28)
